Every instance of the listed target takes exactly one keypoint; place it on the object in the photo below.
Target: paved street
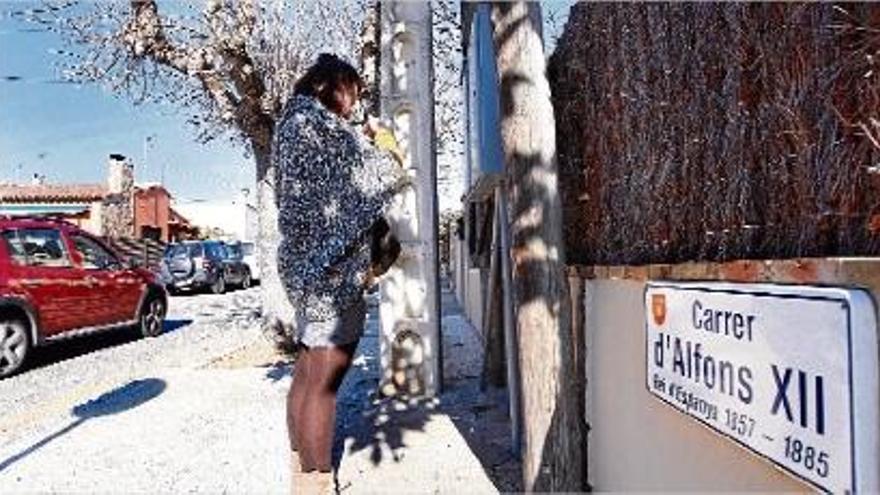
(63, 406)
(201, 410)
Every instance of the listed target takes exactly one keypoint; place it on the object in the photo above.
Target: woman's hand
(372, 127)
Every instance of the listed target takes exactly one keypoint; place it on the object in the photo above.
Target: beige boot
(324, 483)
(313, 483)
(295, 465)
(297, 477)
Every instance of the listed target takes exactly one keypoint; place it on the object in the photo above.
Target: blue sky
(66, 131)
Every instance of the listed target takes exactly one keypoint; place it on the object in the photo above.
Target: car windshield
(247, 249)
(181, 250)
(234, 250)
(215, 250)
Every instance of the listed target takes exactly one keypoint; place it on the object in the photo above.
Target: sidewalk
(219, 427)
(458, 443)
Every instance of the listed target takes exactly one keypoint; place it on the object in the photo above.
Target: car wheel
(152, 319)
(246, 281)
(15, 345)
(219, 285)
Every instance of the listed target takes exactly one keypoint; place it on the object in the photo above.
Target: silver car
(247, 251)
(204, 265)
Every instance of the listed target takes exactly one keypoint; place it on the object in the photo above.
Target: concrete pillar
(410, 307)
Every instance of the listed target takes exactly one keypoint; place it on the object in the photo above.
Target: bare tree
(230, 65)
(449, 102)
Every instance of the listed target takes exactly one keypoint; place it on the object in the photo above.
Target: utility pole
(409, 312)
(147, 140)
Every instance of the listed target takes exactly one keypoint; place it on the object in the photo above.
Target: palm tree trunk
(552, 456)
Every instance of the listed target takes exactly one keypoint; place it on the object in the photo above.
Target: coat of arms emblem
(658, 308)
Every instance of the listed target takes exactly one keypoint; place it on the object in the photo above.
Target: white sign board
(791, 373)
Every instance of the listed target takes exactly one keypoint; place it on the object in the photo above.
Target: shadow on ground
(368, 419)
(184, 293)
(115, 401)
(365, 420)
(63, 350)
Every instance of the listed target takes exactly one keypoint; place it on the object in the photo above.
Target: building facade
(119, 208)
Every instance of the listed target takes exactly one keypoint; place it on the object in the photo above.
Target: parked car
(195, 265)
(248, 252)
(58, 281)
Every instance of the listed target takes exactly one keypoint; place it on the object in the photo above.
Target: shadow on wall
(115, 401)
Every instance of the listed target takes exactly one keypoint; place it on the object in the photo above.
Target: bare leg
(296, 399)
(327, 368)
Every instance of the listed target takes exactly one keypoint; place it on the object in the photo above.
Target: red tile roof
(51, 193)
(176, 217)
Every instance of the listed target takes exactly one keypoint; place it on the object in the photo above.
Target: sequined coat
(332, 186)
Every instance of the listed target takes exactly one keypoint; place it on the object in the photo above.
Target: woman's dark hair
(325, 77)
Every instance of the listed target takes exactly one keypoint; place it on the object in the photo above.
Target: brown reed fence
(147, 252)
(710, 131)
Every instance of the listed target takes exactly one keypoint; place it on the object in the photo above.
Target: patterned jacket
(332, 185)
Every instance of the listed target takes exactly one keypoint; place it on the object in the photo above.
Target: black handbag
(384, 247)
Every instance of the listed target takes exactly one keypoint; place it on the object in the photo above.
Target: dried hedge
(707, 131)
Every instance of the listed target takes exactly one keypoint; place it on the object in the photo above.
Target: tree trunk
(277, 309)
(552, 457)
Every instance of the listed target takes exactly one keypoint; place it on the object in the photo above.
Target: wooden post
(493, 316)
(577, 350)
(552, 459)
(510, 340)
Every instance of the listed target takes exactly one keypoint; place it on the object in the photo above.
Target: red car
(58, 281)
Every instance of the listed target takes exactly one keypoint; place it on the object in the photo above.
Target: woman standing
(333, 186)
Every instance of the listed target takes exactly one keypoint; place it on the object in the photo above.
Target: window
(95, 256)
(215, 250)
(247, 249)
(174, 250)
(234, 251)
(150, 232)
(193, 250)
(15, 247)
(37, 247)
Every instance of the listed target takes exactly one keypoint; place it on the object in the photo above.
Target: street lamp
(147, 140)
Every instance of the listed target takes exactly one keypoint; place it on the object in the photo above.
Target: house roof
(145, 186)
(177, 218)
(51, 193)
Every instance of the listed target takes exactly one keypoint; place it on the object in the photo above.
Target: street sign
(790, 373)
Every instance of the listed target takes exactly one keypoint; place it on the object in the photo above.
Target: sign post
(790, 373)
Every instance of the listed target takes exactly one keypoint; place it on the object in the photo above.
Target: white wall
(236, 216)
(636, 442)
